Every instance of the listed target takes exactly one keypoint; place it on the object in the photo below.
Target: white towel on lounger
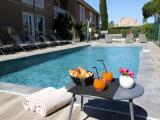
(49, 103)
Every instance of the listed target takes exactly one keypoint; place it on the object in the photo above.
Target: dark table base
(82, 97)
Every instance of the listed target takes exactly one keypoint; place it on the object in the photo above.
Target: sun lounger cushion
(47, 100)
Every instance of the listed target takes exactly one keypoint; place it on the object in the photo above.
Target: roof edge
(88, 6)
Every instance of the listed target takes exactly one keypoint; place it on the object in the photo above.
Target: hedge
(149, 29)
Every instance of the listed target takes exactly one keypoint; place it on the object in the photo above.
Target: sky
(122, 8)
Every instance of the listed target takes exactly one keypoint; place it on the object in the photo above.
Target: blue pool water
(54, 72)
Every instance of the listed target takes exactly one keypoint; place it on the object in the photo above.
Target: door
(40, 26)
(28, 24)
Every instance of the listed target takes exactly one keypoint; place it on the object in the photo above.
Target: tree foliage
(148, 30)
(151, 8)
(147, 10)
(104, 14)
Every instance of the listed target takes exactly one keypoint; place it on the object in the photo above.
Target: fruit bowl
(81, 76)
(83, 81)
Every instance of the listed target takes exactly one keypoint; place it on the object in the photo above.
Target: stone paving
(148, 105)
(149, 77)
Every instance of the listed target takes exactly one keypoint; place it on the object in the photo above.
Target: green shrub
(63, 26)
(136, 31)
(119, 30)
(81, 29)
(149, 30)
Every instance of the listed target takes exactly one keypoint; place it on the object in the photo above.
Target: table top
(126, 94)
(120, 93)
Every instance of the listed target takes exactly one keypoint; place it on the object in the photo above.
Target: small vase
(126, 81)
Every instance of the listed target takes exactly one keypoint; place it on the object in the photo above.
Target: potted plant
(126, 79)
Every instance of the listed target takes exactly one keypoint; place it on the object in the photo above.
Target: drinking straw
(100, 60)
(96, 71)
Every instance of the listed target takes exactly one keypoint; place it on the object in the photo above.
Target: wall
(11, 13)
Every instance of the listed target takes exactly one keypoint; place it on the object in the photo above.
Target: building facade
(79, 9)
(22, 15)
(126, 22)
(27, 16)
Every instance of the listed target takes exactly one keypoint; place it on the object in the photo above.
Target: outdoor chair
(36, 42)
(142, 38)
(63, 41)
(5, 48)
(108, 39)
(129, 39)
(58, 41)
(48, 42)
(20, 43)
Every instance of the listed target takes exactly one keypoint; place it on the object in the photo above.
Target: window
(29, 27)
(95, 18)
(38, 3)
(40, 24)
(28, 1)
(81, 13)
(84, 18)
(91, 15)
(58, 3)
(28, 24)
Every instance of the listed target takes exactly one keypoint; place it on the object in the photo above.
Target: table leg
(131, 107)
(72, 103)
(82, 102)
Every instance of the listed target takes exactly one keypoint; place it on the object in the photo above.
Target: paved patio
(146, 107)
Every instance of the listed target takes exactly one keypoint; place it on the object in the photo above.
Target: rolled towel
(49, 103)
(30, 101)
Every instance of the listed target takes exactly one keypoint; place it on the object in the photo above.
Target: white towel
(50, 103)
(47, 100)
(29, 102)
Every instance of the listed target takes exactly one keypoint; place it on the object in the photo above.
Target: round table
(121, 94)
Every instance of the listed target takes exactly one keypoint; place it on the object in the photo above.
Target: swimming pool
(52, 69)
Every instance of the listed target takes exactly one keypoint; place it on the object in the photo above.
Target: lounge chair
(35, 42)
(108, 39)
(44, 38)
(4, 48)
(129, 39)
(58, 42)
(20, 43)
(64, 41)
(1, 48)
(142, 38)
